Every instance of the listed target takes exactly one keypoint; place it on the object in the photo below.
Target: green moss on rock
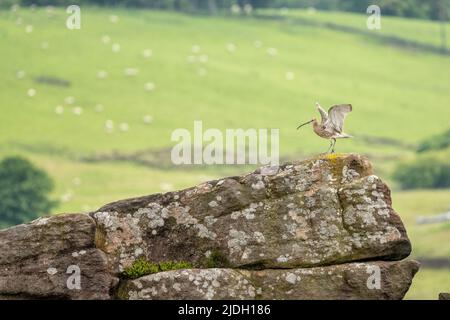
(216, 260)
(122, 291)
(139, 268)
(142, 267)
(174, 265)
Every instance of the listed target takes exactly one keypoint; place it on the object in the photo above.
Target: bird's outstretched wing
(337, 115)
(323, 113)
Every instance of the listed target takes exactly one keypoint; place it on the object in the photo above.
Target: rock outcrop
(322, 228)
(343, 281)
(444, 296)
(37, 260)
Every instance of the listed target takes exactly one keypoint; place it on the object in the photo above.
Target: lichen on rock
(308, 213)
(344, 281)
(296, 231)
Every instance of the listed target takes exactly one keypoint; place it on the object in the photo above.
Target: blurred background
(87, 114)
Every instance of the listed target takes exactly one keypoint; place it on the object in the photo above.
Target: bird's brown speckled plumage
(332, 123)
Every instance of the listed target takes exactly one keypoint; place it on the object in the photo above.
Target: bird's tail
(345, 136)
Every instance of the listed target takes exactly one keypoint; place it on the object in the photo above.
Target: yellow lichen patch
(335, 162)
(334, 156)
(331, 156)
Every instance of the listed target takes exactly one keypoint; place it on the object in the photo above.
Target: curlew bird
(332, 124)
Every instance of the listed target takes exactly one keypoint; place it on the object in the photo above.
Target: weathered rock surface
(298, 231)
(444, 296)
(308, 213)
(35, 259)
(344, 281)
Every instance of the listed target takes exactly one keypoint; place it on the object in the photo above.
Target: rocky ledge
(322, 228)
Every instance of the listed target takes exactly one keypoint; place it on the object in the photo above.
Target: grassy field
(416, 30)
(229, 73)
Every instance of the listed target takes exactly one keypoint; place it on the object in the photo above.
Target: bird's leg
(331, 143)
(334, 144)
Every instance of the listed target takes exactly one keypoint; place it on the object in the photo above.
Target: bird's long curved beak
(304, 124)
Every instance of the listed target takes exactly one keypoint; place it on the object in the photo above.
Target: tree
(23, 191)
(427, 172)
(212, 6)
